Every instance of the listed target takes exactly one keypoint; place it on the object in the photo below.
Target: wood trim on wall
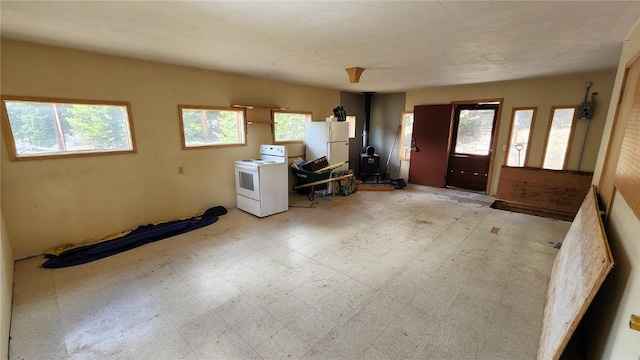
(494, 144)
(567, 155)
(555, 191)
(627, 174)
(608, 173)
(462, 102)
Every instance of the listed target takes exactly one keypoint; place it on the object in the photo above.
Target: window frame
(531, 127)
(242, 128)
(455, 129)
(273, 125)
(352, 125)
(11, 144)
(569, 141)
(401, 146)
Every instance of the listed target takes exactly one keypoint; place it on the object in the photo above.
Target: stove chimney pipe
(367, 119)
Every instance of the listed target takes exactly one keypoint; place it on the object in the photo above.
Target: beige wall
(52, 202)
(6, 281)
(609, 335)
(543, 93)
(6, 288)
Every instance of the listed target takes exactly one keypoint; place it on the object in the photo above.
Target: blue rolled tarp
(143, 234)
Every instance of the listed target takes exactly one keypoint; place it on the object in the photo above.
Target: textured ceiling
(402, 45)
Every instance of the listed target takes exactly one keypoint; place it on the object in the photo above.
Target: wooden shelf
(258, 107)
(258, 114)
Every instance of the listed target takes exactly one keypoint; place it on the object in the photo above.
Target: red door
(431, 134)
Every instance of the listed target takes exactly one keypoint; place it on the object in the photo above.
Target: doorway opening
(472, 145)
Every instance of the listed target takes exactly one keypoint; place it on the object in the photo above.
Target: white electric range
(262, 184)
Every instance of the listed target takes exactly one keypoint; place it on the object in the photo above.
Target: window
(37, 127)
(406, 137)
(520, 136)
(351, 119)
(475, 129)
(289, 126)
(558, 137)
(206, 126)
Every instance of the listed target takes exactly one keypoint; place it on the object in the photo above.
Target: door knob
(634, 322)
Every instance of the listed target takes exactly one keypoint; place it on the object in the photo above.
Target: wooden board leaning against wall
(578, 272)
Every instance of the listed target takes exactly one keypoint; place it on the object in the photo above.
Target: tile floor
(415, 273)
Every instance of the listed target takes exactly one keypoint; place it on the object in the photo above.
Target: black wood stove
(369, 165)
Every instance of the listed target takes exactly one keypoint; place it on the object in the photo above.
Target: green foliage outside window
(210, 127)
(32, 125)
(54, 128)
(103, 127)
(290, 127)
(474, 132)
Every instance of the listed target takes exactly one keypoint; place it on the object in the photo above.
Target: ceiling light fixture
(354, 74)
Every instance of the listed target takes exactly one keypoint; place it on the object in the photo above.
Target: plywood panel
(558, 191)
(628, 172)
(579, 269)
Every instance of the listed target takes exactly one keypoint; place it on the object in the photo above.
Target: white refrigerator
(330, 139)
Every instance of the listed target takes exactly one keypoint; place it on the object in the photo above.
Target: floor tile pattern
(410, 274)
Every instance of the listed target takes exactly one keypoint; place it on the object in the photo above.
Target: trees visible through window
(39, 127)
(289, 126)
(406, 136)
(520, 136)
(558, 137)
(475, 128)
(211, 126)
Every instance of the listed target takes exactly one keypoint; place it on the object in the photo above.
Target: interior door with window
(471, 145)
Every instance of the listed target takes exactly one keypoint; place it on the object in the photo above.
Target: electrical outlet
(504, 148)
(180, 170)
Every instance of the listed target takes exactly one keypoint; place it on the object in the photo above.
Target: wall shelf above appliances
(257, 114)
(258, 107)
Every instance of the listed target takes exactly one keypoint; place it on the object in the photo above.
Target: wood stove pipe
(367, 119)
